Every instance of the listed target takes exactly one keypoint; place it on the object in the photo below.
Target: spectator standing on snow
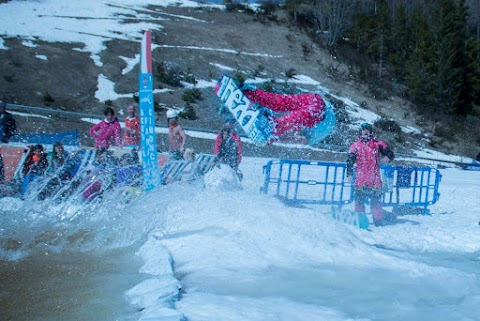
(228, 145)
(8, 126)
(367, 153)
(107, 131)
(131, 133)
(176, 136)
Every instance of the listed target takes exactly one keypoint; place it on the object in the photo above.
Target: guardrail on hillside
(306, 182)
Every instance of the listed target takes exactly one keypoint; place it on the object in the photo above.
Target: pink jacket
(105, 133)
(367, 157)
(304, 110)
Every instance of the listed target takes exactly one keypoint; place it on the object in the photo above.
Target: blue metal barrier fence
(309, 182)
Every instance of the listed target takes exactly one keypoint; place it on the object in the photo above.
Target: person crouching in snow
(367, 153)
(301, 111)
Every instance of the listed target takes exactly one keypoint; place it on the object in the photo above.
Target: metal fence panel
(308, 182)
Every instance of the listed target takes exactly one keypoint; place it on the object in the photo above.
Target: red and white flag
(146, 54)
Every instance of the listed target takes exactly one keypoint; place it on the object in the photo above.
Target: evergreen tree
(471, 97)
(420, 70)
(450, 49)
(380, 45)
(362, 33)
(400, 42)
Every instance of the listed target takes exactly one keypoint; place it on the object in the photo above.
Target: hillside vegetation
(268, 45)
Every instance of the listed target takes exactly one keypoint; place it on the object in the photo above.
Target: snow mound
(222, 178)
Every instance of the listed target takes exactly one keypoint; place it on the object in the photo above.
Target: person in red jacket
(367, 153)
(35, 165)
(107, 131)
(131, 133)
(303, 111)
(228, 146)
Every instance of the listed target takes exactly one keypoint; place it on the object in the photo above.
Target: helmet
(172, 113)
(366, 126)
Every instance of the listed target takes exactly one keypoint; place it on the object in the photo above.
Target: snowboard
(247, 114)
(325, 128)
(357, 219)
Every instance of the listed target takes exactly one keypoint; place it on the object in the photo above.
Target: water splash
(121, 216)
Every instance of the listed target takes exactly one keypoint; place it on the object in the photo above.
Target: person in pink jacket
(303, 111)
(107, 131)
(367, 153)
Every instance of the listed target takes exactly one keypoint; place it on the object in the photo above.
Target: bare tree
(293, 6)
(334, 17)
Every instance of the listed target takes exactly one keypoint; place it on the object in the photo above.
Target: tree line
(432, 47)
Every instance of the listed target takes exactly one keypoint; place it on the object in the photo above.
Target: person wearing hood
(367, 153)
(107, 131)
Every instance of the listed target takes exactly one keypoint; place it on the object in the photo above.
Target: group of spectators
(62, 166)
(108, 131)
(363, 163)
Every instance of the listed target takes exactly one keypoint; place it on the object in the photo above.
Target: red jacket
(304, 110)
(105, 133)
(130, 138)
